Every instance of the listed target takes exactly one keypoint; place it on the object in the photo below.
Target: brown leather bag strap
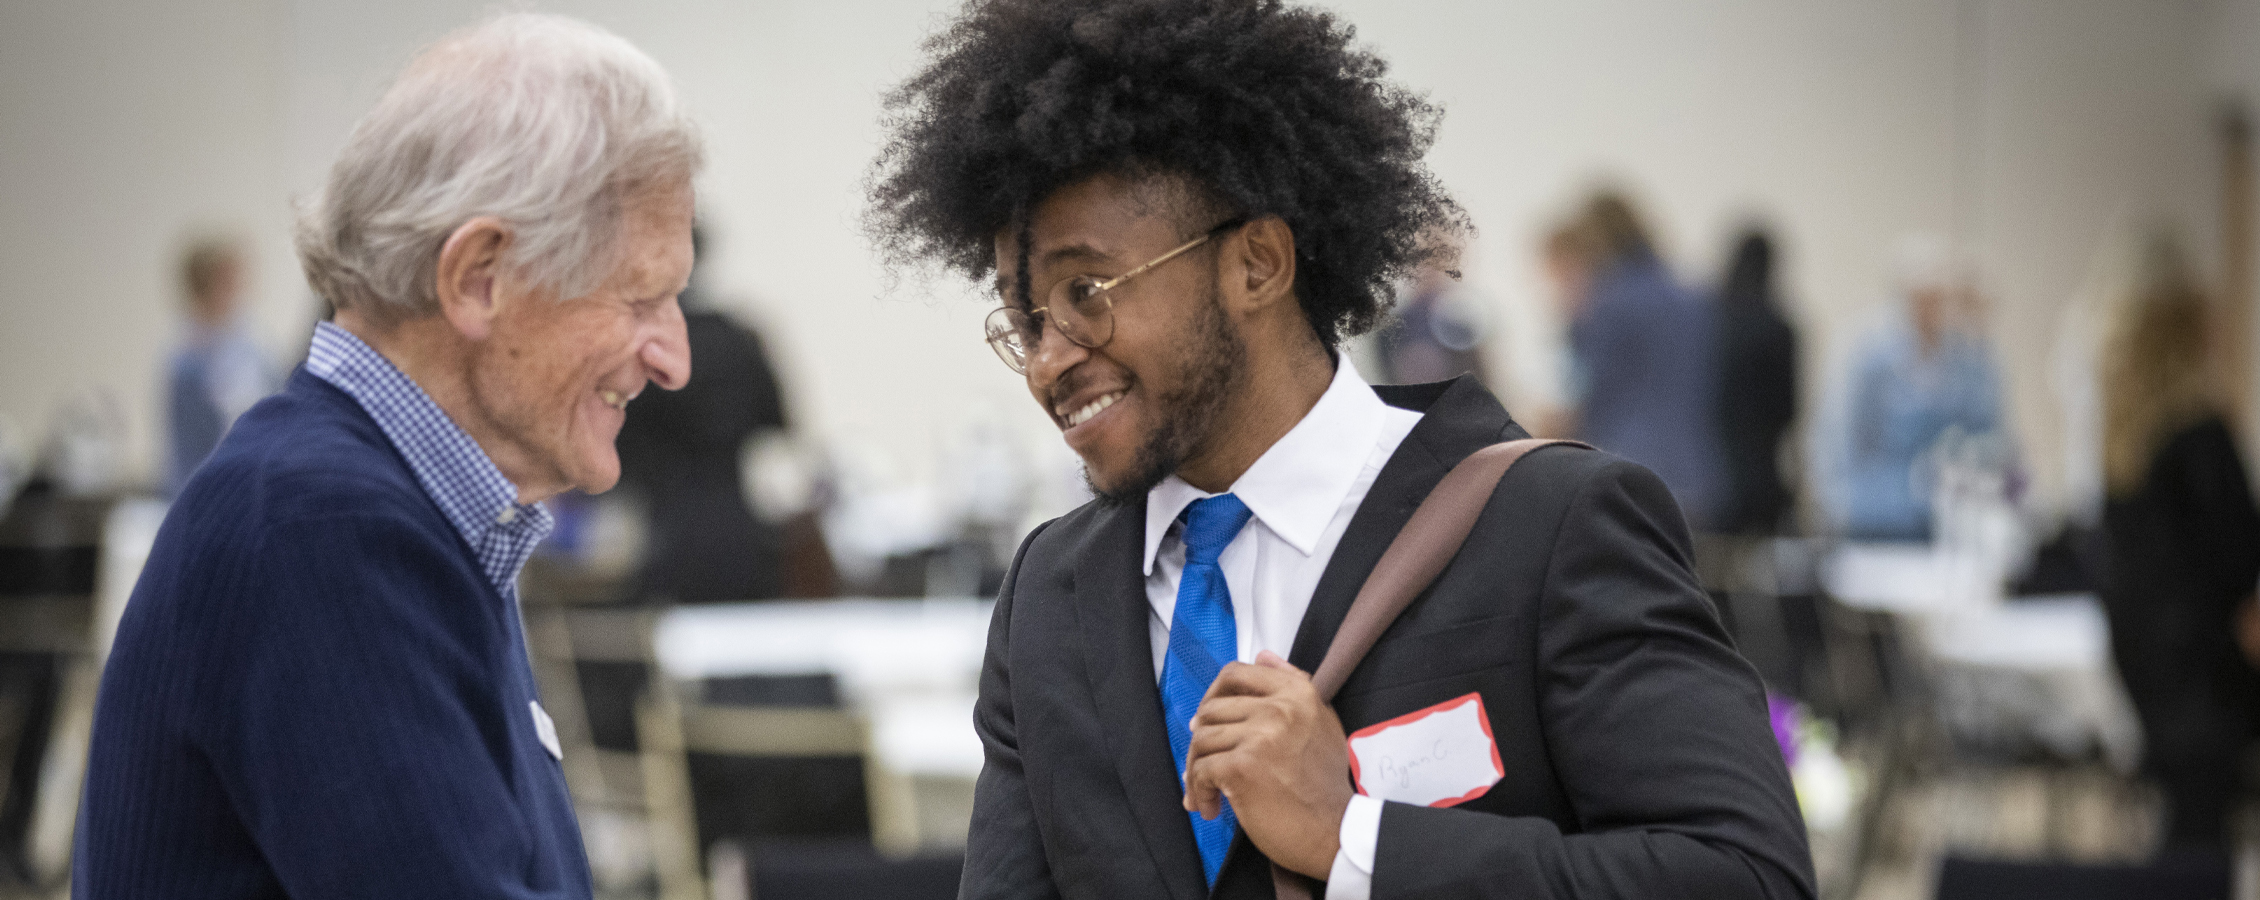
(1419, 553)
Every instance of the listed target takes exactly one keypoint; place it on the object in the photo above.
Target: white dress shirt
(1303, 491)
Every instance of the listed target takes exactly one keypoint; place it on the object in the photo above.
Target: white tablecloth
(2032, 668)
(910, 667)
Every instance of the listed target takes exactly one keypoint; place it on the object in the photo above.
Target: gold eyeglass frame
(1010, 341)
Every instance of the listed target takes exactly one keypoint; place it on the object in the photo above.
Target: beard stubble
(1214, 364)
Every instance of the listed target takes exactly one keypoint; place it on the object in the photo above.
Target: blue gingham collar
(477, 499)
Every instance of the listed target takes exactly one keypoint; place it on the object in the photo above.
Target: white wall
(2231, 58)
(2022, 126)
(2091, 124)
(1835, 122)
(121, 124)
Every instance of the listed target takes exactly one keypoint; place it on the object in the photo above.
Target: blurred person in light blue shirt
(216, 372)
(1920, 374)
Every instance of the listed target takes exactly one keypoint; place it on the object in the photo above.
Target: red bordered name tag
(1439, 756)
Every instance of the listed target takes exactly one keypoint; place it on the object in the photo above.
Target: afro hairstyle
(1258, 107)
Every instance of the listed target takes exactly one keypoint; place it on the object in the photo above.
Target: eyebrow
(1075, 251)
(665, 293)
(1054, 256)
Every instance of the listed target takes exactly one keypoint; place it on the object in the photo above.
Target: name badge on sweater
(1439, 756)
(546, 729)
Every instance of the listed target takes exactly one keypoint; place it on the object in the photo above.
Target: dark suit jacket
(1639, 762)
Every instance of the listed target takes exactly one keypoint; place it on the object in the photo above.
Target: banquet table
(2033, 670)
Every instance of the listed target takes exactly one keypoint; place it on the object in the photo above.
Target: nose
(1052, 356)
(666, 355)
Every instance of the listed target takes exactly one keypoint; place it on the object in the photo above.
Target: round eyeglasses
(1082, 308)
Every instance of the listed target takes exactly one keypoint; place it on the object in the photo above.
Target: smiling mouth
(614, 399)
(1092, 408)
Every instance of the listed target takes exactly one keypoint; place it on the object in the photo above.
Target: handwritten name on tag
(1439, 756)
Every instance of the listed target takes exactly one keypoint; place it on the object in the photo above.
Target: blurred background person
(1643, 359)
(2184, 551)
(681, 453)
(1568, 258)
(1435, 333)
(1923, 372)
(1757, 390)
(216, 372)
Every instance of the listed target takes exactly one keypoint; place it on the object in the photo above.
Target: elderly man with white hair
(320, 688)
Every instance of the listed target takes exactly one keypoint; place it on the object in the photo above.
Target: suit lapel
(1110, 603)
(1459, 417)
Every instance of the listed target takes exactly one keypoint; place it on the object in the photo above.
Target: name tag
(546, 729)
(1439, 756)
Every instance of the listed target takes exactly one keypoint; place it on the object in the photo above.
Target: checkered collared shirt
(460, 477)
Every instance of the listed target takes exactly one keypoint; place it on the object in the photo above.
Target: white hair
(550, 124)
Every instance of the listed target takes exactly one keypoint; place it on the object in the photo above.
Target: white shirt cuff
(1352, 875)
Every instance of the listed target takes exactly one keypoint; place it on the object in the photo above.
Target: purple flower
(1782, 712)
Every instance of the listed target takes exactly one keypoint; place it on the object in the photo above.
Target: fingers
(1219, 738)
(1244, 680)
(1204, 796)
(1201, 792)
(1226, 710)
(1209, 781)
(1228, 722)
(1229, 729)
(1224, 722)
(1247, 704)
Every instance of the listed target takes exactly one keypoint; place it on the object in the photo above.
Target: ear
(1267, 257)
(470, 265)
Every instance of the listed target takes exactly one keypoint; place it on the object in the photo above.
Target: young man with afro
(1186, 206)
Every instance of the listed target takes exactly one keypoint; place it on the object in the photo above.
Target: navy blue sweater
(315, 693)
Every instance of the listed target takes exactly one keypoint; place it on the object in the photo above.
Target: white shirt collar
(1296, 486)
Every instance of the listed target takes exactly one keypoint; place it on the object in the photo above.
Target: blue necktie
(1201, 640)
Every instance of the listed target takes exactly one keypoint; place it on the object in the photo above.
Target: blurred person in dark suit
(1186, 207)
(217, 372)
(680, 452)
(2184, 551)
(1757, 392)
(320, 686)
(1643, 352)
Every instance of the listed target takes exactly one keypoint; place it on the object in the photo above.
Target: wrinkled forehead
(656, 225)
